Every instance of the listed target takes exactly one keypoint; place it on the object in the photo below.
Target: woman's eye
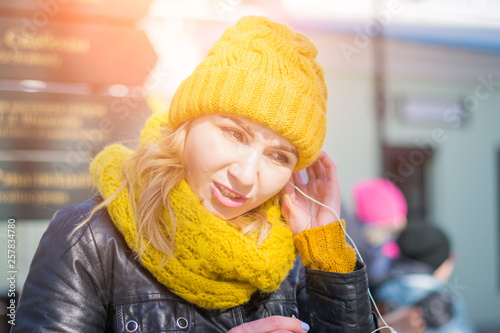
(280, 157)
(235, 135)
(238, 135)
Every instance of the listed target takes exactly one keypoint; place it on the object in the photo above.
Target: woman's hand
(302, 213)
(276, 324)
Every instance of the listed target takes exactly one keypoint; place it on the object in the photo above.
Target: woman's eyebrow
(247, 129)
(288, 149)
(250, 132)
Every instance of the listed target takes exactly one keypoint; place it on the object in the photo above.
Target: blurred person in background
(418, 278)
(380, 210)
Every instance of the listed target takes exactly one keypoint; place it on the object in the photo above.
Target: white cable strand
(357, 251)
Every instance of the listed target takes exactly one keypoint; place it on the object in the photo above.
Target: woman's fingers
(297, 179)
(303, 211)
(311, 173)
(328, 166)
(330, 169)
(274, 324)
(320, 170)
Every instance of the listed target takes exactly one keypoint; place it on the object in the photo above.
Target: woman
(188, 232)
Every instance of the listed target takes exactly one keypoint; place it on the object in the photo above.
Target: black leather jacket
(92, 283)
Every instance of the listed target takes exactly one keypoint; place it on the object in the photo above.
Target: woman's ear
(285, 200)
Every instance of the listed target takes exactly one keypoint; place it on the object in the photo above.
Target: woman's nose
(245, 168)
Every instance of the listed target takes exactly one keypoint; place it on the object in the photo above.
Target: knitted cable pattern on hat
(214, 265)
(263, 71)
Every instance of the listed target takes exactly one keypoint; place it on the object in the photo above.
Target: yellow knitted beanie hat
(265, 72)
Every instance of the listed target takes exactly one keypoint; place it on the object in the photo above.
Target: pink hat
(379, 203)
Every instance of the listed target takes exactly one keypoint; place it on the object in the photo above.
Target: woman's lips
(227, 197)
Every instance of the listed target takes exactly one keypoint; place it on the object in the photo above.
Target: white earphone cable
(357, 251)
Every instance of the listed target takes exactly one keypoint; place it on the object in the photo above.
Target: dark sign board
(39, 11)
(35, 190)
(74, 53)
(34, 121)
(47, 141)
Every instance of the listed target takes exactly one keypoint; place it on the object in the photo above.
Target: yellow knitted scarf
(214, 266)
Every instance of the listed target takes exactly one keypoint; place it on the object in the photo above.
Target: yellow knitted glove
(325, 249)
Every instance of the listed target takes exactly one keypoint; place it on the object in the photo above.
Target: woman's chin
(225, 213)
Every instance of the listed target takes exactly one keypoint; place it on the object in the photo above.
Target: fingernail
(305, 326)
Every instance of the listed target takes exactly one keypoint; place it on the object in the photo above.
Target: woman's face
(234, 164)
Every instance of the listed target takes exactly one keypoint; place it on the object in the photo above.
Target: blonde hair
(149, 176)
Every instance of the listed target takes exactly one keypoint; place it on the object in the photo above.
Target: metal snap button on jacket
(182, 323)
(131, 326)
